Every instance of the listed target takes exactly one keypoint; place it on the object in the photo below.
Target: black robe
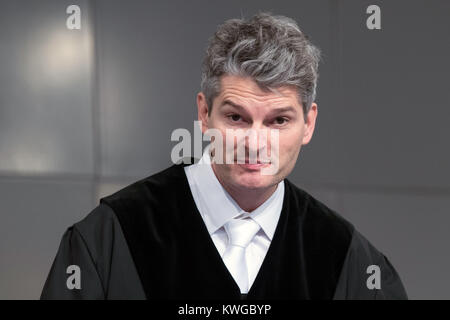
(149, 241)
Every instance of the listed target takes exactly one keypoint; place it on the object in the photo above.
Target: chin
(253, 180)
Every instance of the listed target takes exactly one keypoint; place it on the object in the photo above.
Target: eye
(235, 117)
(280, 120)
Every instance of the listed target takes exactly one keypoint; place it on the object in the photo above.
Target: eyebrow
(237, 106)
(231, 103)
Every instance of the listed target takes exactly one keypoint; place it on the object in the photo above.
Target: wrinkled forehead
(246, 92)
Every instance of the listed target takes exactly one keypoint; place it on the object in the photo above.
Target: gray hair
(272, 50)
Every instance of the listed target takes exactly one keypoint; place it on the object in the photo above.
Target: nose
(258, 141)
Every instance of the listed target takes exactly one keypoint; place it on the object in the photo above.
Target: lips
(247, 161)
(253, 166)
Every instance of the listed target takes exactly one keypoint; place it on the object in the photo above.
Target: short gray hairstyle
(270, 49)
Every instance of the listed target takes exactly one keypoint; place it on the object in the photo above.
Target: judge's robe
(149, 241)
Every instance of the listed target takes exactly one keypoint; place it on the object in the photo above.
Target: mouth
(253, 166)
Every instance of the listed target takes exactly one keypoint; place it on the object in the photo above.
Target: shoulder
(334, 241)
(323, 226)
(153, 188)
(102, 221)
(97, 231)
(150, 203)
(368, 274)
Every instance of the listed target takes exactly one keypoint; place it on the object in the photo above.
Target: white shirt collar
(217, 206)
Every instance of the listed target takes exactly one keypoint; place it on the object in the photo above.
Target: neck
(248, 199)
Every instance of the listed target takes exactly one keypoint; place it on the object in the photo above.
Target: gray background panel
(391, 120)
(45, 90)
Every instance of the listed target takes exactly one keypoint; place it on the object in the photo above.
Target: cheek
(216, 130)
(290, 143)
(215, 120)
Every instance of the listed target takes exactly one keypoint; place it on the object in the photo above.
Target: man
(225, 230)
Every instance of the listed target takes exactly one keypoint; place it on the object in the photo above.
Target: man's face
(241, 104)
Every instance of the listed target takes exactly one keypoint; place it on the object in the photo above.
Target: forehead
(247, 90)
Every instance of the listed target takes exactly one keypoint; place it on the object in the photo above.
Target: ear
(202, 108)
(310, 123)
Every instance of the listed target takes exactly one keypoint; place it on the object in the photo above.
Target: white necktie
(240, 234)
